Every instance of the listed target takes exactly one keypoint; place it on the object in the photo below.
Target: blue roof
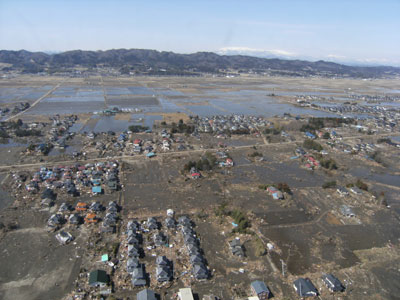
(151, 154)
(309, 134)
(96, 189)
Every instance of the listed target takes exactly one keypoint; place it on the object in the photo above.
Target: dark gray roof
(259, 287)
(200, 271)
(304, 287)
(146, 294)
(98, 277)
(138, 276)
(333, 283)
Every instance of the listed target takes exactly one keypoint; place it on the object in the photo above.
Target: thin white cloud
(335, 56)
(254, 51)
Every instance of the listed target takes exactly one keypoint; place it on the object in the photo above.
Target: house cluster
(111, 218)
(229, 123)
(74, 180)
(134, 252)
(192, 245)
(311, 162)
(305, 288)
(223, 159)
(83, 213)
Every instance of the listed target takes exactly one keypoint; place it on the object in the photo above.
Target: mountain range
(142, 61)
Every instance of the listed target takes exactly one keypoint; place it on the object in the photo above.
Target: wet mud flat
(34, 265)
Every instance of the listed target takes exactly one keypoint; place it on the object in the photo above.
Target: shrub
(361, 185)
(310, 144)
(241, 220)
(22, 132)
(254, 154)
(329, 164)
(384, 140)
(329, 184)
(221, 210)
(376, 157)
(4, 134)
(259, 248)
(326, 136)
(283, 187)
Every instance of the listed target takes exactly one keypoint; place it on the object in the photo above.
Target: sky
(351, 31)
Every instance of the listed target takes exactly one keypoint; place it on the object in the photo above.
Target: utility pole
(283, 268)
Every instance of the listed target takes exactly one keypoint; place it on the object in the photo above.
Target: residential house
(152, 224)
(55, 220)
(64, 237)
(131, 264)
(260, 290)
(146, 294)
(332, 283)
(170, 222)
(160, 239)
(96, 207)
(98, 278)
(185, 294)
(134, 251)
(139, 276)
(342, 191)
(81, 206)
(200, 271)
(236, 247)
(91, 218)
(347, 211)
(96, 190)
(305, 288)
(75, 219)
(163, 273)
(64, 207)
(355, 190)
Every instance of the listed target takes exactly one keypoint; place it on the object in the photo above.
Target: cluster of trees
(206, 163)
(241, 220)
(376, 156)
(4, 134)
(310, 144)
(360, 184)
(318, 123)
(138, 128)
(255, 153)
(329, 184)
(329, 163)
(274, 131)
(240, 131)
(384, 140)
(25, 132)
(238, 217)
(181, 127)
(282, 186)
